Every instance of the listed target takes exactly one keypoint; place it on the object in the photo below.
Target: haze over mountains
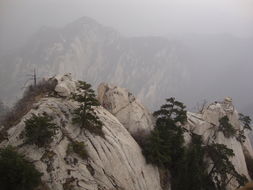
(190, 67)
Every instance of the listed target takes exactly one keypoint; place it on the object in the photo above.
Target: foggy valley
(135, 55)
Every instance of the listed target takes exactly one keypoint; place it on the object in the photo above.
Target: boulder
(65, 85)
(125, 107)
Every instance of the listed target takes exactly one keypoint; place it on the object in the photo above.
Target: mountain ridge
(115, 161)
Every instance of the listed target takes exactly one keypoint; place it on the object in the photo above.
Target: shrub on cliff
(85, 114)
(164, 145)
(246, 125)
(39, 130)
(223, 171)
(226, 127)
(192, 173)
(78, 148)
(16, 173)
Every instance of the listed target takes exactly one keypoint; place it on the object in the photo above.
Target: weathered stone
(115, 162)
(207, 123)
(125, 107)
(65, 85)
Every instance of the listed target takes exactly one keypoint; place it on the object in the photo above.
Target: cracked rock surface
(207, 123)
(115, 162)
(125, 107)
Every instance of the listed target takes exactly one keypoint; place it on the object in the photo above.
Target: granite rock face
(115, 162)
(65, 85)
(207, 124)
(125, 107)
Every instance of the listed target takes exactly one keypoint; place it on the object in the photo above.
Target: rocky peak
(124, 106)
(65, 85)
(207, 125)
(115, 161)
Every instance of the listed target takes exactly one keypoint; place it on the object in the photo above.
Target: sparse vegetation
(159, 148)
(78, 148)
(246, 122)
(223, 170)
(188, 165)
(85, 114)
(192, 173)
(31, 95)
(39, 130)
(246, 125)
(226, 127)
(16, 173)
(201, 106)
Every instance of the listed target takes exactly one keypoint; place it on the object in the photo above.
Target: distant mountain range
(190, 67)
(149, 66)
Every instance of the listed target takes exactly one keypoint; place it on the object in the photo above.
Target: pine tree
(85, 114)
(39, 130)
(246, 125)
(192, 172)
(223, 170)
(172, 110)
(226, 127)
(16, 172)
(165, 143)
(246, 121)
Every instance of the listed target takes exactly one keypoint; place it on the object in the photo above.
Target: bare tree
(200, 106)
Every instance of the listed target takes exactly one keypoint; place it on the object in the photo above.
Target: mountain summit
(96, 54)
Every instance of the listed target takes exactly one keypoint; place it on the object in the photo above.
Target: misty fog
(211, 41)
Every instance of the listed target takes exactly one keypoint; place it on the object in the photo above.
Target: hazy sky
(21, 18)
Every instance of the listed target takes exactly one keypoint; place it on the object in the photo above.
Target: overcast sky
(21, 18)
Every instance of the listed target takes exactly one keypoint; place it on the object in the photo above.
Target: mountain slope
(97, 54)
(115, 161)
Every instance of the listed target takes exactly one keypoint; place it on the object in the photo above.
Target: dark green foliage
(241, 136)
(85, 114)
(172, 110)
(16, 173)
(24, 105)
(227, 129)
(246, 125)
(30, 96)
(246, 121)
(156, 150)
(223, 170)
(164, 145)
(192, 173)
(78, 148)
(39, 130)
(188, 166)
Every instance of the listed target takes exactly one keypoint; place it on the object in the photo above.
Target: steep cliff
(115, 160)
(124, 106)
(207, 124)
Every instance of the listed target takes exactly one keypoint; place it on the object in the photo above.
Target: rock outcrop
(125, 107)
(115, 162)
(207, 124)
